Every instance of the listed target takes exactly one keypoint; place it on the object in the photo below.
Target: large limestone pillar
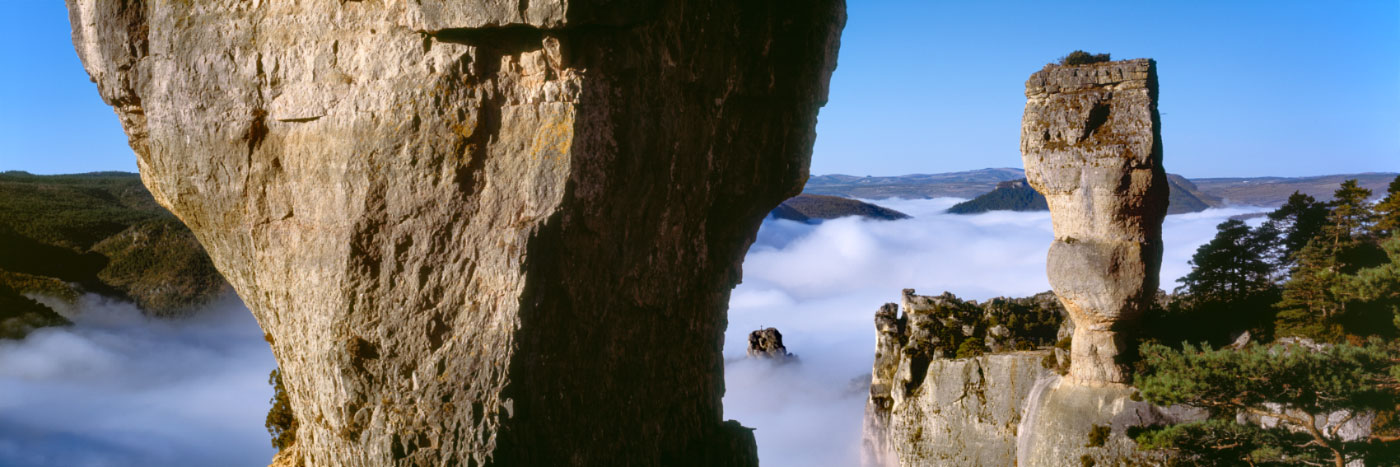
(478, 232)
(1092, 144)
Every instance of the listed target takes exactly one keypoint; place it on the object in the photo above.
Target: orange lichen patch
(555, 136)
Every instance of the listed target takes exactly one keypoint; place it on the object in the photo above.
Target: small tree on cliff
(1080, 57)
(1296, 386)
(281, 424)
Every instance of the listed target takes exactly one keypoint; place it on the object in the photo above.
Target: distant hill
(102, 233)
(1208, 192)
(1014, 195)
(1273, 191)
(1019, 196)
(1185, 197)
(806, 207)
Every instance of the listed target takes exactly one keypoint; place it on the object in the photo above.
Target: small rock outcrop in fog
(1091, 143)
(768, 344)
(458, 222)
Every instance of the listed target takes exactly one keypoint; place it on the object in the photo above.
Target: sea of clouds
(119, 389)
(821, 284)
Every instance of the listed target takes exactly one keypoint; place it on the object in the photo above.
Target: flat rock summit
(462, 224)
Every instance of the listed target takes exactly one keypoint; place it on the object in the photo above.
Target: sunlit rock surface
(1091, 142)
(462, 225)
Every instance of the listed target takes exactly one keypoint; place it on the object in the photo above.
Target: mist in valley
(118, 388)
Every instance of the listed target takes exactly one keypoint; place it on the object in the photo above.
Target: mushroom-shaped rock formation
(1091, 142)
(457, 222)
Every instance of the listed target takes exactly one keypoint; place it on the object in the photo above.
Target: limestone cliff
(927, 407)
(1091, 142)
(461, 224)
(930, 407)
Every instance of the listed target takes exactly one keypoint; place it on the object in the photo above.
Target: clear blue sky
(1248, 88)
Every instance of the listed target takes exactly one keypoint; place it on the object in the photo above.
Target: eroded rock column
(1091, 143)
(466, 227)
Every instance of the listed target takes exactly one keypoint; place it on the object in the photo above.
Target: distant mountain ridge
(954, 184)
(1019, 196)
(1188, 195)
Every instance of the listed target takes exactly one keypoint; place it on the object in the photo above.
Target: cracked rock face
(460, 222)
(1091, 143)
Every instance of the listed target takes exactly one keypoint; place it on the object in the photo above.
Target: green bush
(281, 423)
(1080, 57)
(1098, 434)
(971, 348)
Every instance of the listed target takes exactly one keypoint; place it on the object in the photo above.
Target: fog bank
(120, 389)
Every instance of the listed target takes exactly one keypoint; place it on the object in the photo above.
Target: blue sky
(1248, 88)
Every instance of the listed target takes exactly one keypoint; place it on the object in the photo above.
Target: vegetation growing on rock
(281, 423)
(1080, 57)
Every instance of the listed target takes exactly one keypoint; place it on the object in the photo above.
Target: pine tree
(1375, 291)
(1289, 229)
(1293, 384)
(1351, 214)
(1388, 212)
(1228, 268)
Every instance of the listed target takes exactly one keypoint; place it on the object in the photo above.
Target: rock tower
(1091, 142)
(465, 227)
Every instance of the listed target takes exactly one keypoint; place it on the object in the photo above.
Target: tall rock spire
(1091, 142)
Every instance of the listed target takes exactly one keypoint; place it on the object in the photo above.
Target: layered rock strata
(461, 223)
(1091, 143)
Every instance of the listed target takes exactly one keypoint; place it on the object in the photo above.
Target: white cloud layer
(119, 389)
(821, 284)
